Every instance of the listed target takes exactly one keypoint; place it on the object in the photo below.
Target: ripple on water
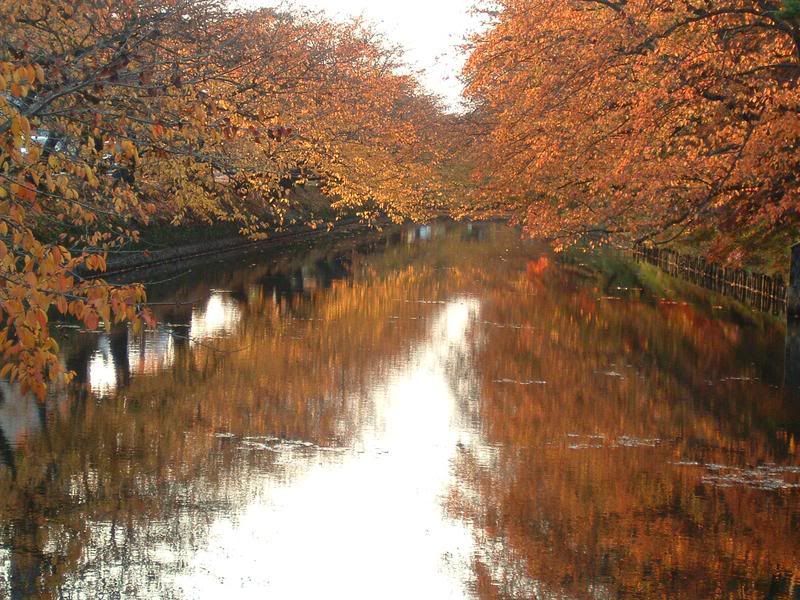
(768, 477)
(270, 443)
(583, 442)
(516, 382)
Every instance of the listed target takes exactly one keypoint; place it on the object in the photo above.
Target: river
(437, 412)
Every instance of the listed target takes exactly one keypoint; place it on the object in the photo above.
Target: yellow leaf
(127, 148)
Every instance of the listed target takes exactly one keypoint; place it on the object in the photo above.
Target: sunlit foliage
(638, 120)
(114, 113)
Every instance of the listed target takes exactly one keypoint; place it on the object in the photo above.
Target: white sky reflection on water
(218, 317)
(367, 524)
(102, 372)
(154, 350)
(5, 568)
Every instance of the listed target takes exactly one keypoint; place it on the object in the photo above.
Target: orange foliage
(637, 119)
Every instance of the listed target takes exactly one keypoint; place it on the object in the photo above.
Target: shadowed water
(439, 412)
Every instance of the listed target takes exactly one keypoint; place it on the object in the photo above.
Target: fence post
(793, 296)
(791, 368)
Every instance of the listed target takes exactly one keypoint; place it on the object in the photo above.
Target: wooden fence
(757, 290)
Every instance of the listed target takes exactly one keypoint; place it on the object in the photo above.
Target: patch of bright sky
(431, 32)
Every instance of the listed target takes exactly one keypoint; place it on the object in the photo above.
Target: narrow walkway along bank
(120, 264)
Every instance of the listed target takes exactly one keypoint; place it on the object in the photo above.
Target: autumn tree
(641, 120)
(116, 112)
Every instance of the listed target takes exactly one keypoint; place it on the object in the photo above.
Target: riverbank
(214, 241)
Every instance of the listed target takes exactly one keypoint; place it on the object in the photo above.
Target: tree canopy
(643, 120)
(117, 112)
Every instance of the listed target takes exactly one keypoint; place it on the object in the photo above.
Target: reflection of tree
(584, 490)
(120, 489)
(7, 455)
(116, 490)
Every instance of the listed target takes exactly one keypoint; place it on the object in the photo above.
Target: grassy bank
(615, 271)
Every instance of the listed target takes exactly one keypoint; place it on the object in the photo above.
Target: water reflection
(102, 368)
(121, 355)
(20, 416)
(217, 318)
(153, 351)
(369, 505)
(442, 413)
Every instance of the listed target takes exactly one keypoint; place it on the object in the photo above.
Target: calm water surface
(442, 412)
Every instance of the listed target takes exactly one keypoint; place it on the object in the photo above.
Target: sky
(429, 30)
